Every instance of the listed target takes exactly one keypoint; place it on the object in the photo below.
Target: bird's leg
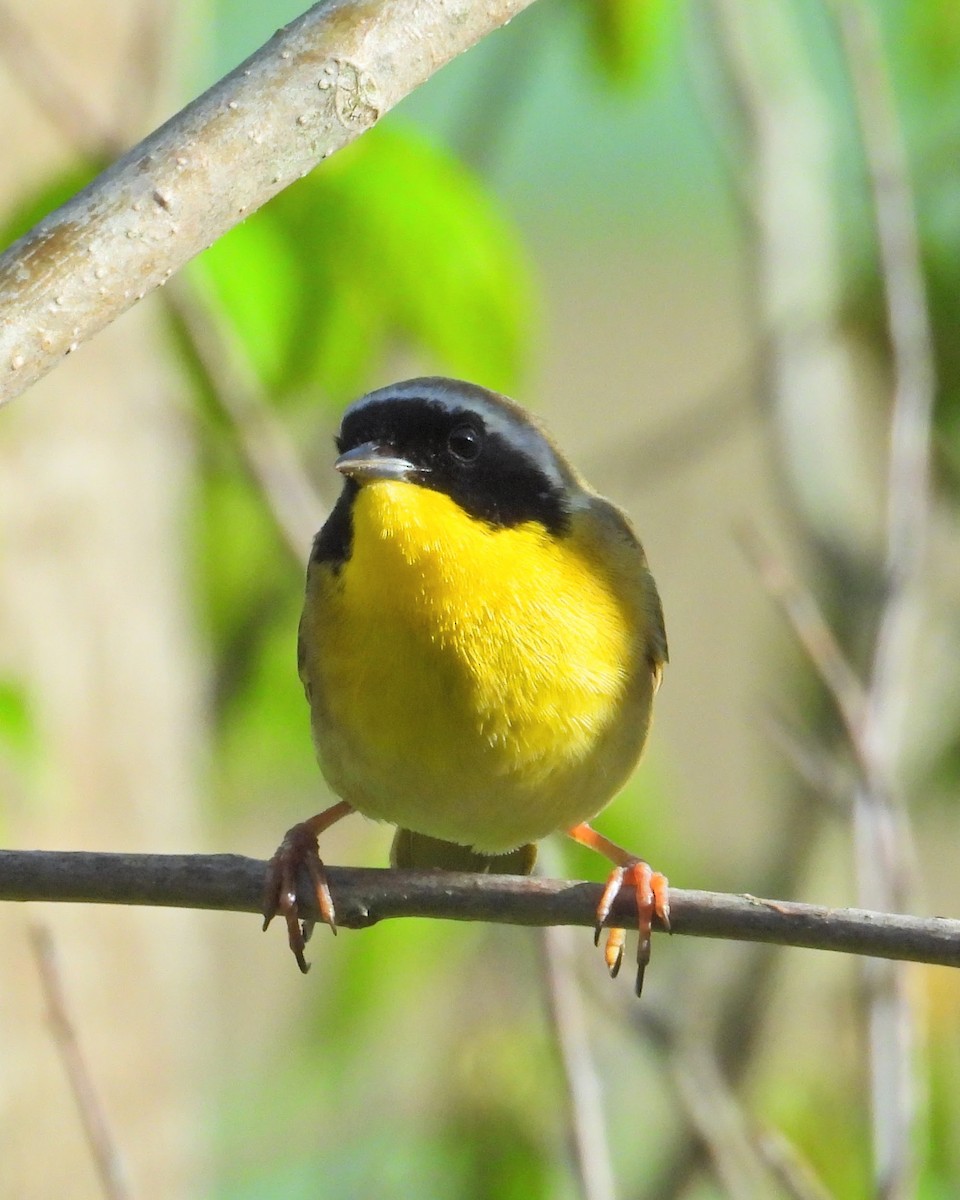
(652, 892)
(298, 850)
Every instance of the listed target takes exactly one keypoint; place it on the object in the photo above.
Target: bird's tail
(420, 852)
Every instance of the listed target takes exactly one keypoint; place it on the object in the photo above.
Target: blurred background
(677, 231)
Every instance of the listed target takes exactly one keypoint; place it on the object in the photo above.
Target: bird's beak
(374, 461)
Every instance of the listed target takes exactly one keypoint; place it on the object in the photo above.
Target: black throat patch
(475, 446)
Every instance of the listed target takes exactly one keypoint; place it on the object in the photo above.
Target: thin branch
(790, 148)
(92, 1116)
(681, 440)
(883, 835)
(827, 778)
(150, 42)
(793, 1173)
(715, 1116)
(740, 1009)
(267, 449)
(364, 896)
(317, 85)
(585, 1118)
(719, 104)
(908, 478)
(908, 317)
(66, 107)
(746, 1158)
(812, 631)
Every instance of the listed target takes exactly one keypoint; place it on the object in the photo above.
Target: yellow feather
(482, 685)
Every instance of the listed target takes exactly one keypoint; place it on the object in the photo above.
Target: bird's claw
(653, 900)
(297, 851)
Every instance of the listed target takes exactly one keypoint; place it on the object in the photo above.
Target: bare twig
(140, 81)
(314, 87)
(267, 449)
(880, 855)
(828, 779)
(92, 1116)
(746, 1000)
(363, 897)
(812, 631)
(585, 1118)
(681, 440)
(883, 839)
(67, 108)
(908, 476)
(789, 147)
(721, 111)
(795, 1175)
(484, 125)
(716, 1118)
(911, 339)
(793, 292)
(747, 1159)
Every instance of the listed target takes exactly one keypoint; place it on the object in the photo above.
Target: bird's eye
(464, 443)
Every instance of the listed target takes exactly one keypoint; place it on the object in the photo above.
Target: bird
(480, 645)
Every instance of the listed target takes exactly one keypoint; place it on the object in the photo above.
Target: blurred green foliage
(393, 251)
(934, 34)
(18, 732)
(625, 35)
(390, 242)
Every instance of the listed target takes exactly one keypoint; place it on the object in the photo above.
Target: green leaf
(625, 35)
(934, 31)
(17, 728)
(265, 734)
(252, 271)
(427, 239)
(390, 241)
(250, 593)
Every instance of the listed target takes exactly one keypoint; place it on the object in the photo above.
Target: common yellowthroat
(480, 646)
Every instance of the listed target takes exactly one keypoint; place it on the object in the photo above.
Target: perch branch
(365, 896)
(314, 87)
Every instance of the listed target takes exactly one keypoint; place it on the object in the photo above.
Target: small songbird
(480, 646)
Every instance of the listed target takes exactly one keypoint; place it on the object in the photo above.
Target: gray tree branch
(315, 86)
(364, 896)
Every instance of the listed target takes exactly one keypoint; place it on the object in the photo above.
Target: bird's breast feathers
(481, 684)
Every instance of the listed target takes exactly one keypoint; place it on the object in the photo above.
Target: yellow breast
(486, 686)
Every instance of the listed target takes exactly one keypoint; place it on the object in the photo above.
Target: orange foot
(652, 892)
(298, 851)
